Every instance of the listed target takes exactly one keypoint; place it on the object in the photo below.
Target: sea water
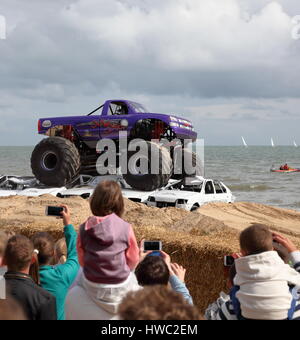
(246, 171)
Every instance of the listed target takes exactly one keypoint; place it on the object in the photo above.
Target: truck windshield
(138, 107)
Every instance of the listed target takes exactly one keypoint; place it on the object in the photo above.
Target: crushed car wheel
(55, 161)
(147, 180)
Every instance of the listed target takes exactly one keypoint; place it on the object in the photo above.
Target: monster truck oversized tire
(196, 162)
(149, 182)
(55, 161)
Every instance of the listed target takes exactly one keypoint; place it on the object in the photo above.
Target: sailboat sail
(272, 142)
(295, 144)
(244, 142)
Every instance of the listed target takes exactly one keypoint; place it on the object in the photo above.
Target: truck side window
(209, 189)
(116, 109)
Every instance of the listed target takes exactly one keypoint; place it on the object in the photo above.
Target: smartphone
(54, 211)
(228, 260)
(155, 253)
(152, 245)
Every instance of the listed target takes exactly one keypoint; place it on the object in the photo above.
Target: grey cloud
(60, 58)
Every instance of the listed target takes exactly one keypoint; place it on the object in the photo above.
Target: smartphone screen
(152, 245)
(54, 211)
(228, 261)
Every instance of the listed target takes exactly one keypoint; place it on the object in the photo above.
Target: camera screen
(54, 211)
(229, 260)
(151, 245)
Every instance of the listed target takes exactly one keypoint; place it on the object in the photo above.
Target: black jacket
(38, 304)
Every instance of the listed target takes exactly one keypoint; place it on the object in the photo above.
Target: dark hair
(44, 243)
(18, 253)
(153, 270)
(256, 239)
(3, 242)
(107, 199)
(156, 303)
(34, 270)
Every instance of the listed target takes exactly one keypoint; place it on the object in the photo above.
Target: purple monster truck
(70, 149)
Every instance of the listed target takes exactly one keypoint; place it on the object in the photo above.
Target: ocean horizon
(246, 171)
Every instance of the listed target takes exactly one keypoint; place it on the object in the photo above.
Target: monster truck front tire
(149, 181)
(55, 161)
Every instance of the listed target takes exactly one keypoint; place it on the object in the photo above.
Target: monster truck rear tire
(148, 181)
(55, 161)
(196, 162)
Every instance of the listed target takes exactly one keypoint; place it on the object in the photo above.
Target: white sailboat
(272, 142)
(244, 142)
(295, 144)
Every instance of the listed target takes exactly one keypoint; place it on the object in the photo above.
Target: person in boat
(286, 167)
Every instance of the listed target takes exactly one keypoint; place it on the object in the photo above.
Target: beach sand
(29, 212)
(197, 240)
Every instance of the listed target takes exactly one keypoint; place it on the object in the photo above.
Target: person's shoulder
(118, 219)
(42, 293)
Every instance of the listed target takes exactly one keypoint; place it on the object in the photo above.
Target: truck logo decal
(108, 123)
(46, 124)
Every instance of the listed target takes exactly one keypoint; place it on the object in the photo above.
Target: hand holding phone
(228, 260)
(63, 212)
(54, 211)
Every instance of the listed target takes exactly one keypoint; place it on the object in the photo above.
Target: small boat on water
(285, 171)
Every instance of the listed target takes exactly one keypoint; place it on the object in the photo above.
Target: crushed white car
(191, 193)
(84, 187)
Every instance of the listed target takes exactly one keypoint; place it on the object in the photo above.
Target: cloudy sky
(231, 66)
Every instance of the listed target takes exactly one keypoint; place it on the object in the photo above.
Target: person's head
(156, 303)
(3, 243)
(11, 310)
(107, 199)
(153, 270)
(256, 239)
(19, 254)
(44, 243)
(60, 251)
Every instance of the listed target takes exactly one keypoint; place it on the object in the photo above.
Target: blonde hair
(156, 303)
(60, 251)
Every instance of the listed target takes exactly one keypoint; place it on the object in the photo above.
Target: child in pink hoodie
(107, 252)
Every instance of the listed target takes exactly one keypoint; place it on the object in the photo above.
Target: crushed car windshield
(180, 186)
(138, 107)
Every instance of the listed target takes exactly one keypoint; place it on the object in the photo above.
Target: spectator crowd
(101, 273)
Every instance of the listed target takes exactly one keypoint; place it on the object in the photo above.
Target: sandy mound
(242, 214)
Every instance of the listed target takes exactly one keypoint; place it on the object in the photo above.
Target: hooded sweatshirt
(263, 280)
(107, 249)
